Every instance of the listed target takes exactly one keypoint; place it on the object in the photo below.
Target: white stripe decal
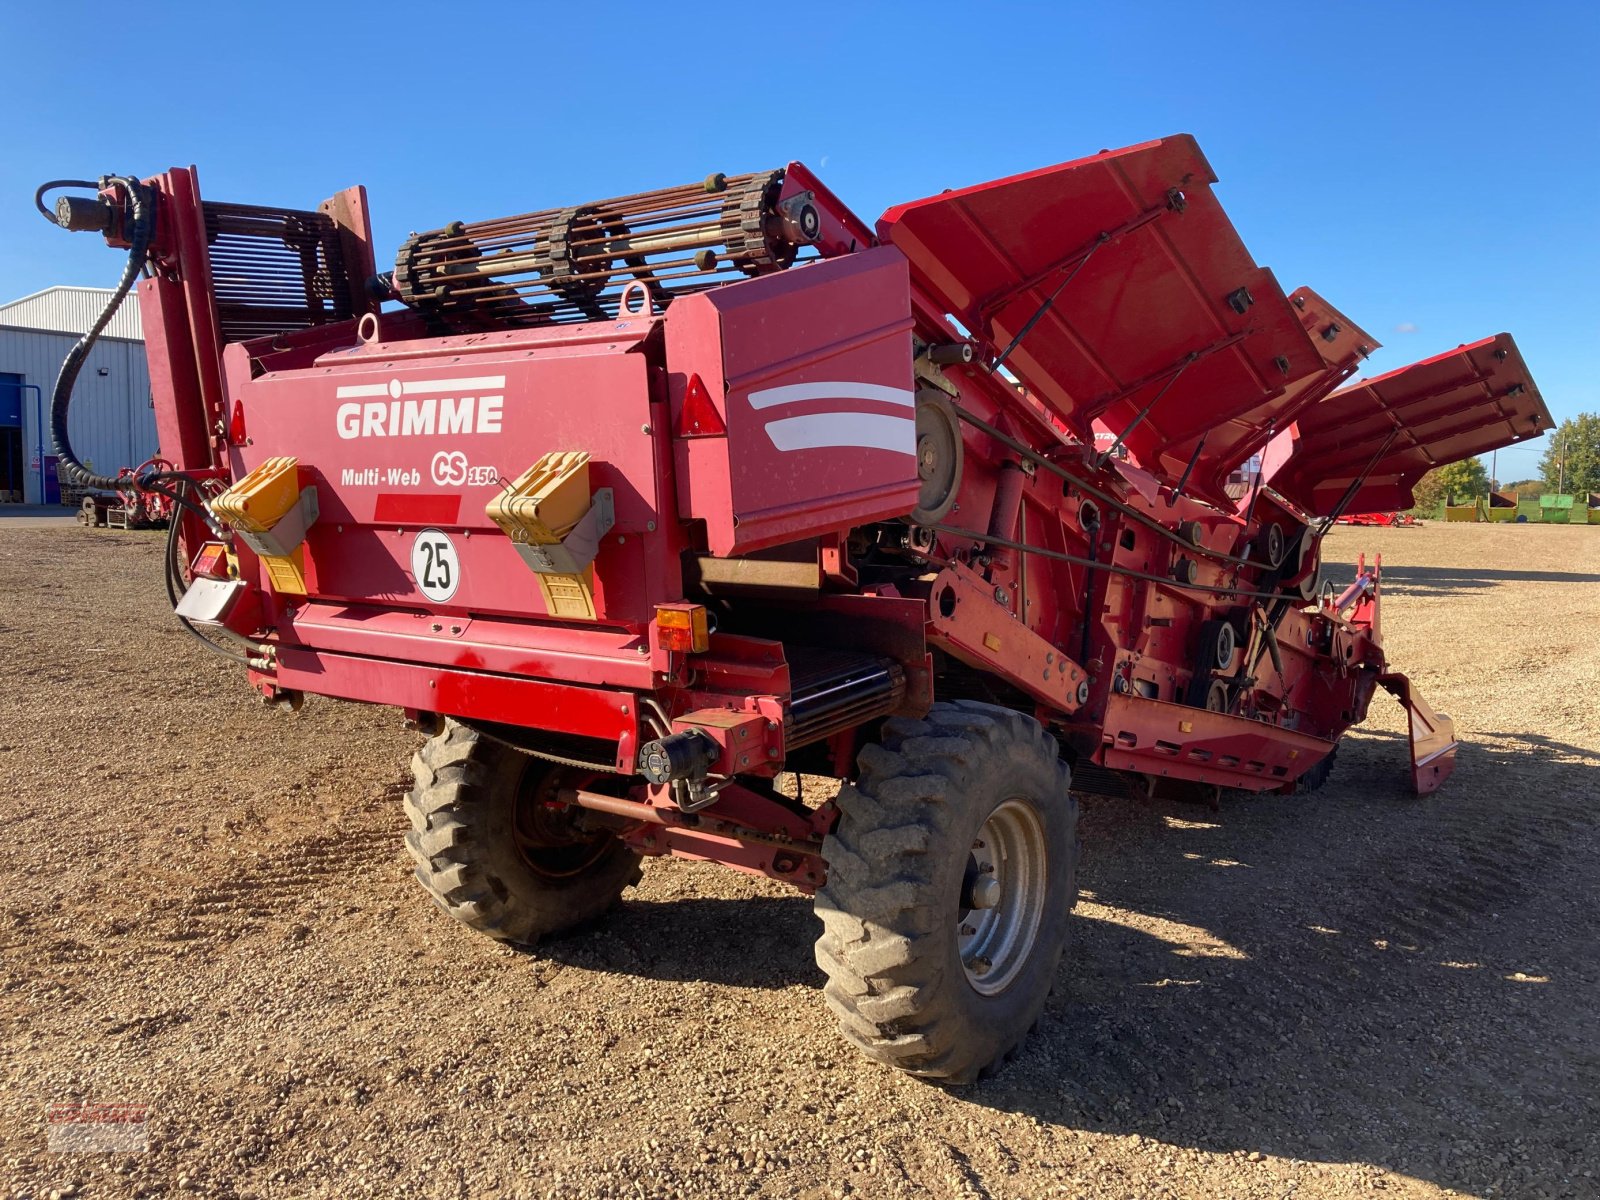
(432, 387)
(423, 387)
(842, 389)
(845, 431)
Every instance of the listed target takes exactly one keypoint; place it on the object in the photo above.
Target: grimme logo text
(443, 406)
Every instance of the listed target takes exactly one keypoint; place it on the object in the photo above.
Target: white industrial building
(112, 420)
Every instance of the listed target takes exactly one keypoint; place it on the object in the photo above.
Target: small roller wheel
(1270, 544)
(493, 850)
(1219, 642)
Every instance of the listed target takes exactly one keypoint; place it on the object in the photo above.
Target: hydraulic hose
(141, 232)
(174, 578)
(52, 185)
(143, 227)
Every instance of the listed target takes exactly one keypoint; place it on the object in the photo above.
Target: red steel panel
(579, 654)
(403, 436)
(811, 373)
(966, 619)
(1137, 272)
(1342, 344)
(1178, 742)
(586, 712)
(1467, 401)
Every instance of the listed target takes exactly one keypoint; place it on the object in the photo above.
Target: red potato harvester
(635, 506)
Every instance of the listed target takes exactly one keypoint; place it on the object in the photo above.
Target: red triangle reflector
(236, 425)
(699, 416)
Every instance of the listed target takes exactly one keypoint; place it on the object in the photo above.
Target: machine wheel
(951, 874)
(493, 854)
(1317, 776)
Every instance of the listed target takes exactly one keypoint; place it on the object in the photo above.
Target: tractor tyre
(491, 850)
(1317, 776)
(951, 874)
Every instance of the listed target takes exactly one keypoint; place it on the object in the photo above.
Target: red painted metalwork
(876, 473)
(1431, 735)
(1151, 315)
(1455, 405)
(1397, 520)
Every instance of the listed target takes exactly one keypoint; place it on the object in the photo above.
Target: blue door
(11, 457)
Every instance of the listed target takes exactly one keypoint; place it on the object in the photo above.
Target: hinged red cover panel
(1467, 401)
(1342, 344)
(1151, 275)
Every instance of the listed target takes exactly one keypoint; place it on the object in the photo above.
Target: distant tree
(1571, 461)
(1456, 483)
(1532, 489)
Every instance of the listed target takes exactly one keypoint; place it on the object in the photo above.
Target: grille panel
(274, 269)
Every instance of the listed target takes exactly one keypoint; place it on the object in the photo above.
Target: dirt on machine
(640, 508)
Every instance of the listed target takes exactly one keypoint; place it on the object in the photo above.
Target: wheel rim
(1001, 907)
(543, 833)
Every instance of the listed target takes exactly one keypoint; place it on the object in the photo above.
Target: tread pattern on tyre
(463, 863)
(1318, 775)
(880, 907)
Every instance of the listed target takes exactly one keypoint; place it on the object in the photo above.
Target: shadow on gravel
(1449, 581)
(760, 942)
(1547, 745)
(1342, 977)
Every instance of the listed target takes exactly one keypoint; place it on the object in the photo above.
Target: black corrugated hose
(140, 233)
(144, 220)
(143, 228)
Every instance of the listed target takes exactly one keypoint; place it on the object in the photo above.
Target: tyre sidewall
(1001, 1020)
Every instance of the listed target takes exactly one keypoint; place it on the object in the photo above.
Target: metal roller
(572, 264)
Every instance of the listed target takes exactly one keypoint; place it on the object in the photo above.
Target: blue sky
(1432, 168)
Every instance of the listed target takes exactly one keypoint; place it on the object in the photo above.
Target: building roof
(64, 309)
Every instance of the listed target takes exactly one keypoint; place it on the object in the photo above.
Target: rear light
(683, 627)
(211, 562)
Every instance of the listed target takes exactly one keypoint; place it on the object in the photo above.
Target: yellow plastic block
(259, 501)
(546, 501)
(569, 595)
(287, 575)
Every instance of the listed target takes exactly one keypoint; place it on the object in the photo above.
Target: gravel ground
(204, 908)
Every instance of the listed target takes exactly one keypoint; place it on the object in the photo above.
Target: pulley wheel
(939, 454)
(1311, 564)
(1225, 643)
(1218, 641)
(1270, 543)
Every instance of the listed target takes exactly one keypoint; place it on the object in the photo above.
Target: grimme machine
(642, 507)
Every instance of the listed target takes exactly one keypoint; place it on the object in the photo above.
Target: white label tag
(434, 565)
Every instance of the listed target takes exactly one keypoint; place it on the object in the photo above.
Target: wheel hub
(1002, 897)
(544, 833)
